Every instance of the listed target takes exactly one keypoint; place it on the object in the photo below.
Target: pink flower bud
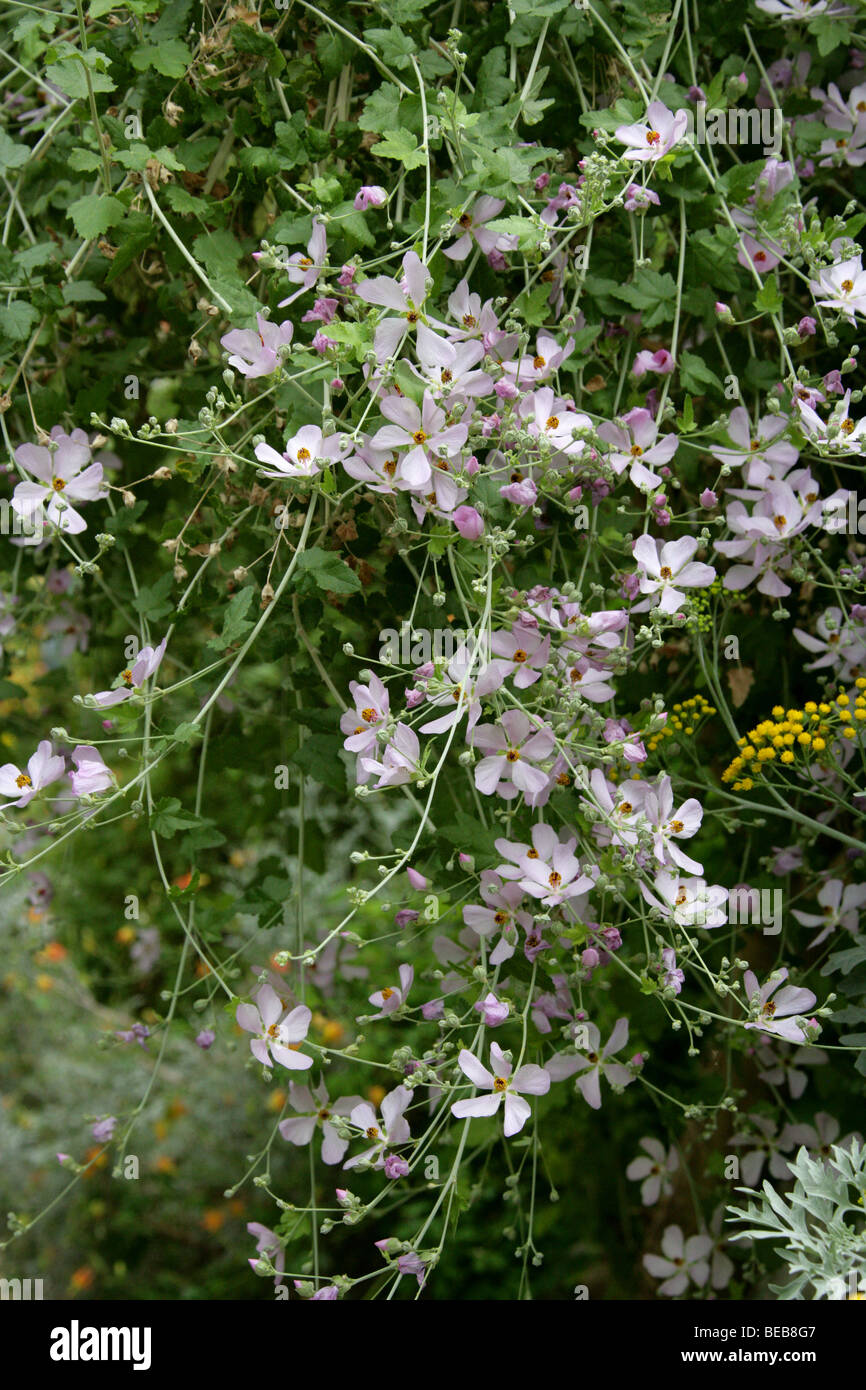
(468, 522)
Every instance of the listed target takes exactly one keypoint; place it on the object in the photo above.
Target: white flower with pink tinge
(654, 137)
(547, 358)
(43, 768)
(146, 664)
(764, 460)
(64, 474)
(392, 1128)
(551, 871)
(390, 999)
(689, 902)
(476, 320)
(501, 914)
(423, 432)
(300, 458)
(314, 1109)
(636, 446)
(405, 297)
(841, 909)
(668, 825)
(448, 369)
(549, 419)
(462, 691)
(653, 1173)
(522, 653)
(472, 228)
(512, 746)
(527, 1080)
(777, 1015)
(844, 288)
(667, 569)
(681, 1261)
(304, 269)
(256, 353)
(275, 1037)
(400, 761)
(592, 1063)
(372, 705)
(802, 9)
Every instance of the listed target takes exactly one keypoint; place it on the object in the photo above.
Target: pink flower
(841, 909)
(303, 452)
(660, 361)
(389, 999)
(400, 761)
(653, 1172)
(305, 269)
(268, 1244)
(404, 297)
(423, 432)
(492, 1010)
(529, 1080)
(777, 1015)
(92, 775)
(668, 570)
(43, 768)
(146, 664)
(64, 475)
(592, 1063)
(654, 137)
(370, 196)
(469, 523)
(313, 1110)
(681, 1262)
(513, 746)
(472, 228)
(636, 445)
(257, 353)
(392, 1128)
(370, 712)
(638, 199)
(275, 1037)
(764, 459)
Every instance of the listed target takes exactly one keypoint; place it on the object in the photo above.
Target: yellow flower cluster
(682, 720)
(805, 730)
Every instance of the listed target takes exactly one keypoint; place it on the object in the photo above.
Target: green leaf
(69, 75)
(171, 57)
(235, 622)
(526, 229)
(380, 113)
(393, 45)
(153, 602)
(81, 292)
(168, 817)
(695, 375)
(94, 214)
(401, 145)
(830, 33)
(651, 292)
(17, 319)
(84, 161)
(12, 155)
(768, 300)
(323, 569)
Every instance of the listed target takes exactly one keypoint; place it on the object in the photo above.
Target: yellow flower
(787, 756)
(805, 739)
(842, 700)
(818, 744)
